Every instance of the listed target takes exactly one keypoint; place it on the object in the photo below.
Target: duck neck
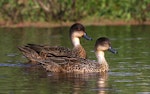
(101, 57)
(78, 50)
(75, 41)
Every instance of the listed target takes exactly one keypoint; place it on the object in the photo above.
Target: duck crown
(103, 44)
(77, 27)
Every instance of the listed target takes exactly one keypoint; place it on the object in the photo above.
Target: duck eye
(105, 44)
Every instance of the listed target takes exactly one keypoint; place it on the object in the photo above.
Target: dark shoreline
(51, 24)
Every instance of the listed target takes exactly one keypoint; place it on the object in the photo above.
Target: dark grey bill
(112, 50)
(87, 37)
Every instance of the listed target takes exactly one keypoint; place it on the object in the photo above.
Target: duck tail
(29, 53)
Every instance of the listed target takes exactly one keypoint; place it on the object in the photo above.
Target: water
(129, 69)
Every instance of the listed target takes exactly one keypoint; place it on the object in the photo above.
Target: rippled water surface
(129, 69)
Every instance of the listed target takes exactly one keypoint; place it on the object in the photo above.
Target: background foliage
(73, 10)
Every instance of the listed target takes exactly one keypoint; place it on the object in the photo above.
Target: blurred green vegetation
(73, 10)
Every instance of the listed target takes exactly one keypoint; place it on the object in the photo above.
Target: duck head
(103, 44)
(77, 31)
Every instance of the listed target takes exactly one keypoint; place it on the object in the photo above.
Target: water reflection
(80, 81)
(102, 84)
(70, 83)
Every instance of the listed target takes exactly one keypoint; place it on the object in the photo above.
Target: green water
(129, 69)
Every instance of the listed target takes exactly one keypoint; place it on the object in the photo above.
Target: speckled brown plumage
(79, 52)
(75, 65)
(80, 65)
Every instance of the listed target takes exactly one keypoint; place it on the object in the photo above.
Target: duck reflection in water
(78, 83)
(101, 87)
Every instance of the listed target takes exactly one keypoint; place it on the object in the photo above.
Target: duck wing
(57, 64)
(50, 50)
(31, 51)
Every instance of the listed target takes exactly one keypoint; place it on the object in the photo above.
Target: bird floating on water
(34, 52)
(80, 65)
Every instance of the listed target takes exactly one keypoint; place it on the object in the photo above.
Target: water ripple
(11, 54)
(123, 74)
(14, 65)
(143, 93)
(123, 80)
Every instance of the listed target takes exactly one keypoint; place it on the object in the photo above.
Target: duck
(81, 65)
(34, 51)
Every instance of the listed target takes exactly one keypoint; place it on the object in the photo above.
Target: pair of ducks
(61, 59)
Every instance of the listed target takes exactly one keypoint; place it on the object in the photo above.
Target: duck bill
(112, 50)
(87, 37)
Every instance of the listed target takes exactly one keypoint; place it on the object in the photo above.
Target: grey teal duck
(80, 65)
(33, 51)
